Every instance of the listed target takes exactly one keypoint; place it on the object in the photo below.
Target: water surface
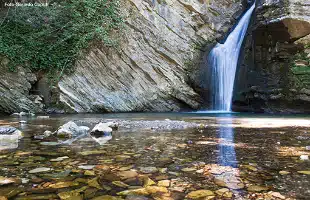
(252, 156)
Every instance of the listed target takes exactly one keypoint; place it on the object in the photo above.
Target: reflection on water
(227, 154)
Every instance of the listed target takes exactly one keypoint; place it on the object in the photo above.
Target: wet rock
(126, 168)
(148, 170)
(43, 117)
(277, 195)
(59, 159)
(147, 181)
(136, 181)
(36, 180)
(156, 189)
(107, 197)
(140, 191)
(304, 157)
(284, 172)
(198, 194)
(40, 169)
(89, 173)
(101, 129)
(87, 167)
(144, 191)
(37, 197)
(137, 197)
(10, 192)
(257, 188)
(63, 185)
(9, 137)
(127, 174)
(224, 192)
(120, 184)
(70, 130)
(6, 181)
(304, 172)
(231, 183)
(120, 158)
(72, 194)
(94, 183)
(164, 183)
(103, 168)
(47, 143)
(163, 170)
(188, 169)
(46, 134)
(25, 180)
(8, 130)
(59, 175)
(94, 152)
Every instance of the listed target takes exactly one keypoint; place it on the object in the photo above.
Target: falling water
(224, 59)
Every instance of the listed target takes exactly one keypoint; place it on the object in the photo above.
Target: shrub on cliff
(51, 38)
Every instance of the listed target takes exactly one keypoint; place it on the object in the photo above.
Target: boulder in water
(9, 137)
(44, 135)
(8, 130)
(104, 129)
(70, 130)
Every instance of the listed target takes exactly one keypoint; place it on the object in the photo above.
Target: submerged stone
(188, 169)
(148, 182)
(6, 181)
(304, 172)
(95, 152)
(59, 159)
(10, 191)
(148, 170)
(121, 158)
(164, 183)
(87, 167)
(224, 192)
(63, 185)
(127, 174)
(37, 197)
(120, 184)
(198, 194)
(40, 169)
(107, 197)
(140, 191)
(94, 183)
(284, 172)
(70, 194)
(277, 195)
(257, 188)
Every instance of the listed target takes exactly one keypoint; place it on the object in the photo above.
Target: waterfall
(224, 59)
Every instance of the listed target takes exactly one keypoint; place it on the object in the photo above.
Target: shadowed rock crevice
(274, 70)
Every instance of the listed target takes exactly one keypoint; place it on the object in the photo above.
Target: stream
(229, 156)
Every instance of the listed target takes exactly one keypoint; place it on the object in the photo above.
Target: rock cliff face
(14, 90)
(274, 75)
(150, 70)
(156, 66)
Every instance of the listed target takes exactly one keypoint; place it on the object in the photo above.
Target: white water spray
(224, 59)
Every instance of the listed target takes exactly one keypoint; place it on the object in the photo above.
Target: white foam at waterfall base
(223, 59)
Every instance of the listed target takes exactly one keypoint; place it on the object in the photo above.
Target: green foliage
(51, 38)
(299, 76)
